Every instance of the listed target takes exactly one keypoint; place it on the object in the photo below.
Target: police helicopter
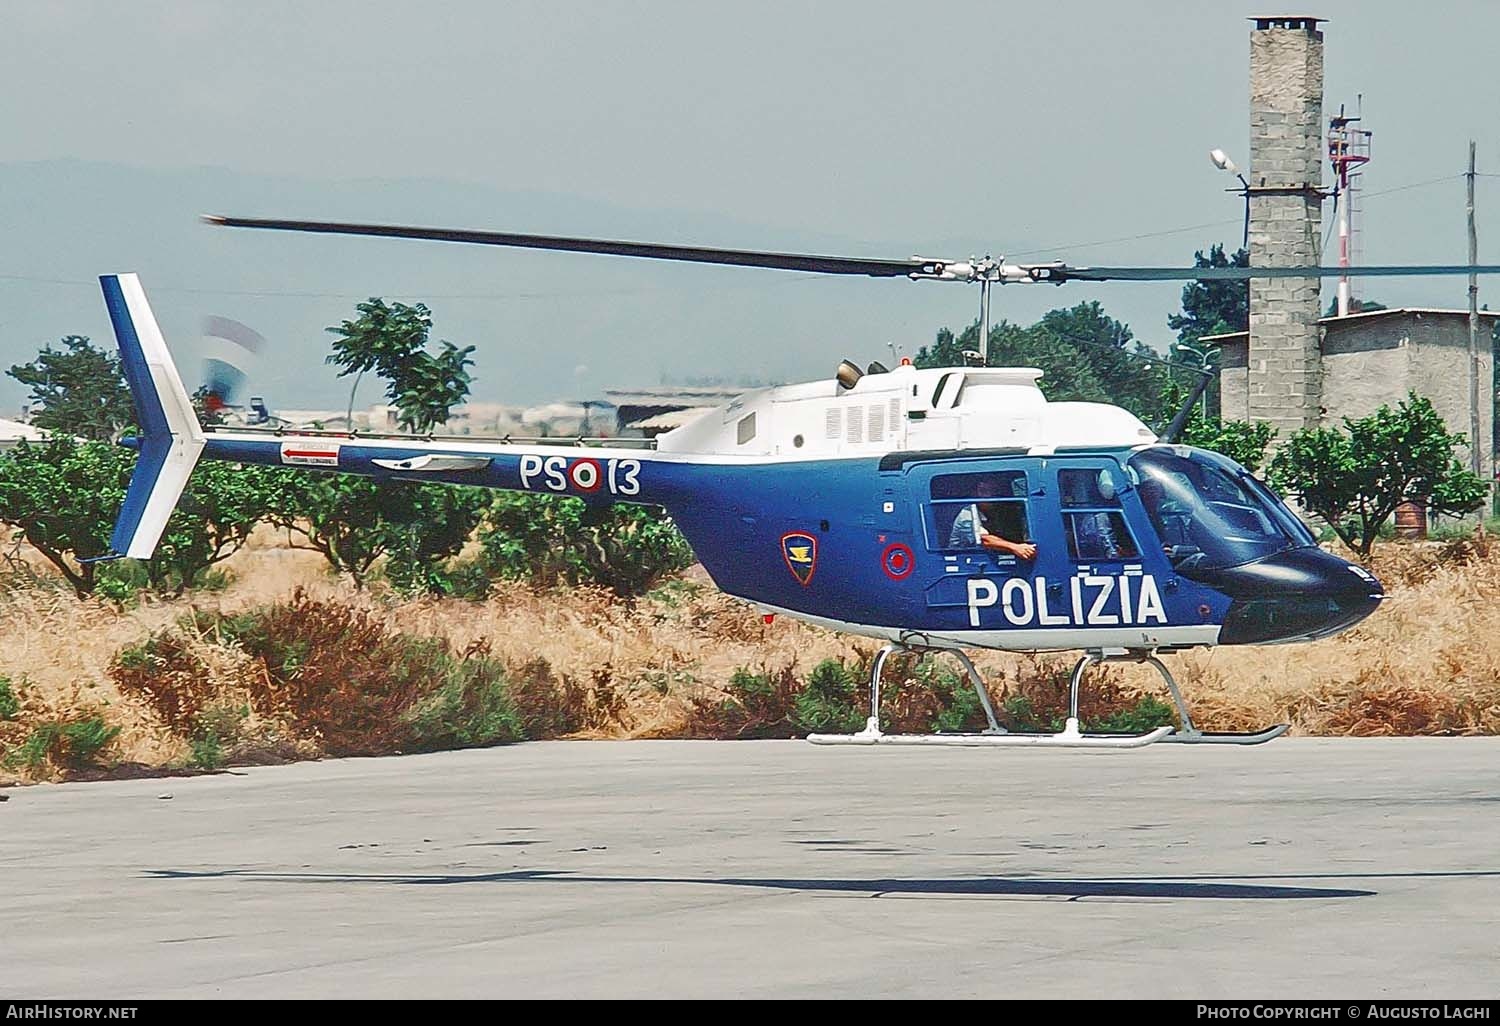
(934, 509)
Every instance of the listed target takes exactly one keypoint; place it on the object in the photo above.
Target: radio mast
(1348, 152)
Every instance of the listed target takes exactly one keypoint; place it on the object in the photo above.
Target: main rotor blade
(657, 251)
(958, 270)
(1067, 273)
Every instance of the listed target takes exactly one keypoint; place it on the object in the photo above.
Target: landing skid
(1211, 737)
(1071, 736)
(1065, 739)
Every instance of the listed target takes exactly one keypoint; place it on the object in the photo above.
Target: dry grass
(1424, 664)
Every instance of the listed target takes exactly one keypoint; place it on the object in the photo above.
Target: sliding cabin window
(1093, 521)
(964, 506)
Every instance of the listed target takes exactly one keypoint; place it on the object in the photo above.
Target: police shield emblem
(801, 554)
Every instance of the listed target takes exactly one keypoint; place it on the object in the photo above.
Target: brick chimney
(1286, 173)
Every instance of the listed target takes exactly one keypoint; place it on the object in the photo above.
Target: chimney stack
(1286, 174)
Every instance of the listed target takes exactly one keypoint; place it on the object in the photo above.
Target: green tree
(1213, 307)
(81, 390)
(221, 505)
(354, 521)
(1084, 355)
(1123, 365)
(1241, 441)
(440, 519)
(1356, 305)
(63, 496)
(391, 340)
(561, 540)
(1356, 477)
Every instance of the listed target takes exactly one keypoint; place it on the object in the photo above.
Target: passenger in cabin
(1094, 533)
(978, 524)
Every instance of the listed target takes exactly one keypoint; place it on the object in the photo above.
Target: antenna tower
(1348, 152)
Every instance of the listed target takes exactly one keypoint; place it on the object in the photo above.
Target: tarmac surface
(1358, 868)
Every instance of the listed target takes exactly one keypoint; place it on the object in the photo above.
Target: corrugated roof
(1423, 310)
(1365, 315)
(667, 396)
(668, 421)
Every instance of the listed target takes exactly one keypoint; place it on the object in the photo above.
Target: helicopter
(872, 502)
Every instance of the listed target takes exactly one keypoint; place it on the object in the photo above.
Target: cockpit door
(1104, 566)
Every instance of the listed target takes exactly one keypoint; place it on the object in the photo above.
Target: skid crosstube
(1066, 739)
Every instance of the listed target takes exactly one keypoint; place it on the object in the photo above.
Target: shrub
(10, 705)
(829, 701)
(337, 672)
(471, 709)
(169, 674)
(304, 674)
(67, 744)
(217, 729)
(560, 540)
(547, 705)
(752, 705)
(1148, 713)
(960, 710)
(1036, 702)
(207, 752)
(331, 669)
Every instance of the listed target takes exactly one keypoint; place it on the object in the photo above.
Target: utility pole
(1475, 461)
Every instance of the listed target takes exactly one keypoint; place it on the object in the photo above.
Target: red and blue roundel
(897, 561)
(801, 554)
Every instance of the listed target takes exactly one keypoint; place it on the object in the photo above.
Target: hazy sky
(1075, 130)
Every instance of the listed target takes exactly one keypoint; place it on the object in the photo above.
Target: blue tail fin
(171, 438)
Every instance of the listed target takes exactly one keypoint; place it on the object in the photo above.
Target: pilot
(1172, 533)
(972, 527)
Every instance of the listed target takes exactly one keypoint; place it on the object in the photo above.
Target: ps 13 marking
(620, 477)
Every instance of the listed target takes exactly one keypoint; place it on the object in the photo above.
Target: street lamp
(1205, 357)
(1223, 163)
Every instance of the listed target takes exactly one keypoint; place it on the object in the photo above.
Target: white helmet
(1106, 486)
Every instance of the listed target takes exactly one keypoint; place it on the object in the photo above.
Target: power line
(1411, 185)
(1218, 224)
(1125, 238)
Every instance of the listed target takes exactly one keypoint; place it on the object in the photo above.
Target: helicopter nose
(1296, 595)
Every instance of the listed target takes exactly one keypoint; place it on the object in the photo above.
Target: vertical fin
(171, 438)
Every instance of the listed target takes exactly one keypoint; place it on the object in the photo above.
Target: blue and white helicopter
(934, 509)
